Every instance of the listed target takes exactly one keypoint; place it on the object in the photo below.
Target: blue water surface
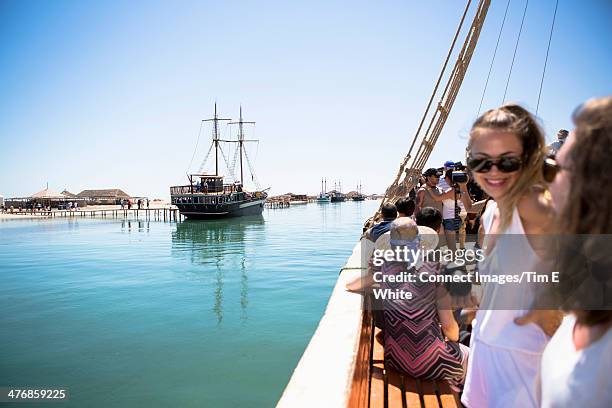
(158, 314)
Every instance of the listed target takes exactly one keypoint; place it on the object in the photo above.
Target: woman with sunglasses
(577, 361)
(505, 154)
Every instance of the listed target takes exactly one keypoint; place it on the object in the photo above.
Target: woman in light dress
(506, 152)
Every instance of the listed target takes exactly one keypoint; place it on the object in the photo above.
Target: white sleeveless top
(576, 378)
(448, 207)
(502, 303)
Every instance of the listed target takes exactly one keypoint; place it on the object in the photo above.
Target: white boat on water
(323, 196)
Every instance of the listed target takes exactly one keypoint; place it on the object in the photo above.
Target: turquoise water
(154, 314)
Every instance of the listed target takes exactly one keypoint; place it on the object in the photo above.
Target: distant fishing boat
(336, 193)
(337, 197)
(323, 196)
(359, 196)
(207, 196)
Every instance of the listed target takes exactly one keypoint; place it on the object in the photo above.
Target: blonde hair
(517, 120)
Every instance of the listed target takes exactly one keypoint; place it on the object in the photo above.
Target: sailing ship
(336, 194)
(207, 196)
(359, 196)
(323, 196)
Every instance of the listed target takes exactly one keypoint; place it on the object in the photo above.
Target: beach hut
(68, 194)
(47, 197)
(105, 196)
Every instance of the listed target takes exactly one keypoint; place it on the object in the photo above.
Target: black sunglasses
(503, 164)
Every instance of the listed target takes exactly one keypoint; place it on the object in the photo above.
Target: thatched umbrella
(47, 195)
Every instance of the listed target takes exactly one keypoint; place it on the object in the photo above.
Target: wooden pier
(278, 204)
(157, 214)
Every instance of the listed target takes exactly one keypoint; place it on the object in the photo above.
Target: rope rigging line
(236, 151)
(231, 173)
(196, 146)
(201, 169)
(214, 136)
(438, 119)
(431, 98)
(518, 38)
(493, 59)
(552, 27)
(433, 94)
(235, 159)
(253, 176)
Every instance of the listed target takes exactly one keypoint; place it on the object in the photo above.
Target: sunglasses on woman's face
(504, 164)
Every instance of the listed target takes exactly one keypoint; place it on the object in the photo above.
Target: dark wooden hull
(226, 210)
(338, 199)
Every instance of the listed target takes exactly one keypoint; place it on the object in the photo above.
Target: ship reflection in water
(218, 249)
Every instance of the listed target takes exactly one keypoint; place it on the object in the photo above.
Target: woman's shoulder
(536, 210)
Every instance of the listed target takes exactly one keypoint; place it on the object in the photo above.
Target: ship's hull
(338, 199)
(226, 210)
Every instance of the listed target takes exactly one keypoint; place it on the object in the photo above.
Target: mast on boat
(241, 140)
(215, 120)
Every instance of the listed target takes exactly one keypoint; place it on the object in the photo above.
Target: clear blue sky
(111, 94)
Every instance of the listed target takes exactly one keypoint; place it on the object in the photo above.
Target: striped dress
(414, 342)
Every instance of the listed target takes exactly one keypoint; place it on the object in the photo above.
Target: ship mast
(241, 140)
(216, 138)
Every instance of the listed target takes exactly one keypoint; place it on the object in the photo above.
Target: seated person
(421, 335)
(389, 213)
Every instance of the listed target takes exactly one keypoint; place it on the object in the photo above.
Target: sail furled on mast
(412, 166)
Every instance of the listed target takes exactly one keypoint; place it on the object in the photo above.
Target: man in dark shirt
(389, 213)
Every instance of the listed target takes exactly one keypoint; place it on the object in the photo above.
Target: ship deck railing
(343, 365)
(190, 190)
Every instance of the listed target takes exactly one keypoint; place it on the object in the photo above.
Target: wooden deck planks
(428, 392)
(395, 389)
(412, 392)
(448, 398)
(377, 381)
(390, 389)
